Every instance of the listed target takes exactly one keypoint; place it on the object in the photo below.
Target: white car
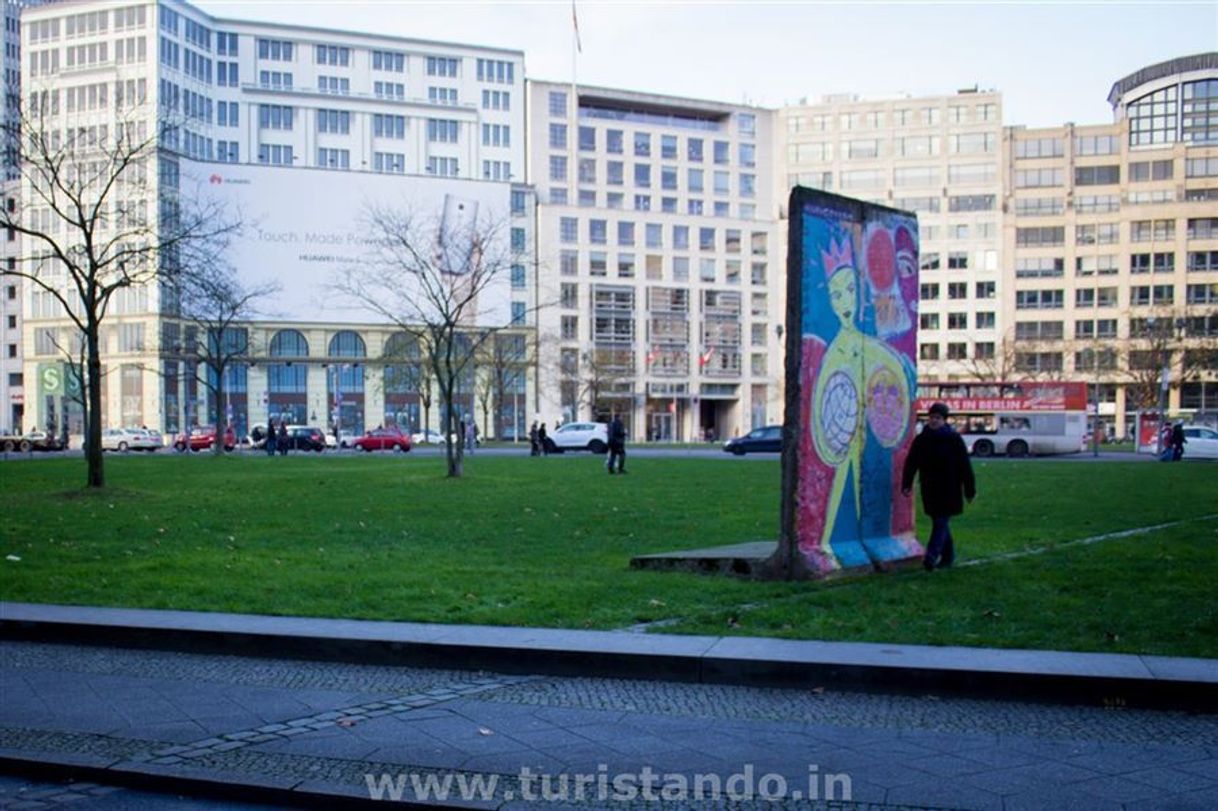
(579, 436)
(130, 439)
(1200, 442)
(345, 439)
(427, 437)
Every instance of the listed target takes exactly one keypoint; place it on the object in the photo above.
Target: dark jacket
(940, 460)
(617, 434)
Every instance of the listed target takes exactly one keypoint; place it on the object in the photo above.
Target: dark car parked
(303, 438)
(760, 440)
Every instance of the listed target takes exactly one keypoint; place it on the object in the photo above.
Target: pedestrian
(283, 438)
(940, 460)
(270, 438)
(471, 435)
(541, 440)
(533, 449)
(1177, 442)
(617, 445)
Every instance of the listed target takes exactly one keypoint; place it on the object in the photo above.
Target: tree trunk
(453, 442)
(93, 448)
(221, 414)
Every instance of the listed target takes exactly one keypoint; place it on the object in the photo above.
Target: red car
(203, 437)
(384, 439)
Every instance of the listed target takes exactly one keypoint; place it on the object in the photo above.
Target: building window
(442, 66)
(557, 103)
(333, 55)
(1097, 175)
(334, 121)
(391, 61)
(1199, 112)
(1152, 118)
(438, 130)
(333, 158)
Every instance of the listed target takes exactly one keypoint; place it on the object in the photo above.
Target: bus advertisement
(1016, 419)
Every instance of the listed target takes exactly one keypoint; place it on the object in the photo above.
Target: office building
(658, 245)
(299, 128)
(937, 156)
(1112, 234)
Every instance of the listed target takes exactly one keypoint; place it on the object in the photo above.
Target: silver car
(130, 439)
(1200, 442)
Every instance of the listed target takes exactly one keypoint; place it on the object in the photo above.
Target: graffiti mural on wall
(858, 294)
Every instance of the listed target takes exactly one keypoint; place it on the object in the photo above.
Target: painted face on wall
(843, 294)
(907, 267)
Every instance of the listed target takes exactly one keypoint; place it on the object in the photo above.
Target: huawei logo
(215, 180)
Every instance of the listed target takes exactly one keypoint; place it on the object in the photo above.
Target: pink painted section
(815, 477)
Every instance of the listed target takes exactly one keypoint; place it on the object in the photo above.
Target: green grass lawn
(547, 542)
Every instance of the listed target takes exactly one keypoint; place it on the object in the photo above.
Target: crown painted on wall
(840, 255)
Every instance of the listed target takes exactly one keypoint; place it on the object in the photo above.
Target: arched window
(289, 343)
(288, 378)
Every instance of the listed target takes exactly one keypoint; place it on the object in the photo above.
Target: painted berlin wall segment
(853, 303)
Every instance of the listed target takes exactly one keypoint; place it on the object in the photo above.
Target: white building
(938, 156)
(259, 108)
(659, 248)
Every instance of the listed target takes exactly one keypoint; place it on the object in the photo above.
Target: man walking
(617, 445)
(940, 460)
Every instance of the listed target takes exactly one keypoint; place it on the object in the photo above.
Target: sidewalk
(314, 707)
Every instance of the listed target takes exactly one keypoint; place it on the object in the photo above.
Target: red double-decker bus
(1014, 418)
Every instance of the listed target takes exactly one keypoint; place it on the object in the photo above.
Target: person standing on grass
(939, 458)
(283, 438)
(1177, 442)
(270, 438)
(533, 449)
(617, 445)
(541, 440)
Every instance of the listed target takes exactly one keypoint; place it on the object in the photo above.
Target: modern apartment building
(299, 127)
(1112, 235)
(938, 156)
(659, 249)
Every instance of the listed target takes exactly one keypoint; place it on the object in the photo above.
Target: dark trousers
(940, 550)
(618, 453)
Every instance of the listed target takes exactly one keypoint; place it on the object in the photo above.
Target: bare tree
(212, 300)
(604, 373)
(435, 279)
(96, 220)
(997, 367)
(503, 365)
(1176, 340)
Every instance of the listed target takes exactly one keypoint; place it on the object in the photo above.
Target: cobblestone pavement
(586, 742)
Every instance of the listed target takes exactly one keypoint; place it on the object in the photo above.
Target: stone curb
(1113, 680)
(199, 783)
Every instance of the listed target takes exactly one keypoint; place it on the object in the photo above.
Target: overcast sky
(1052, 61)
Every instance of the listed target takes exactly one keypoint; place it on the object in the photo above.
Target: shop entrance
(660, 427)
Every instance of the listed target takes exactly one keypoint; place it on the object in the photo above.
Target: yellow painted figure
(860, 375)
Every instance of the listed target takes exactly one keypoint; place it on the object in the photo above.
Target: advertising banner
(303, 228)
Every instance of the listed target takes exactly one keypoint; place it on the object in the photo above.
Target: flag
(653, 354)
(706, 356)
(575, 22)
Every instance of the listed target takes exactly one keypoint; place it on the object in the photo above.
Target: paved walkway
(308, 732)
